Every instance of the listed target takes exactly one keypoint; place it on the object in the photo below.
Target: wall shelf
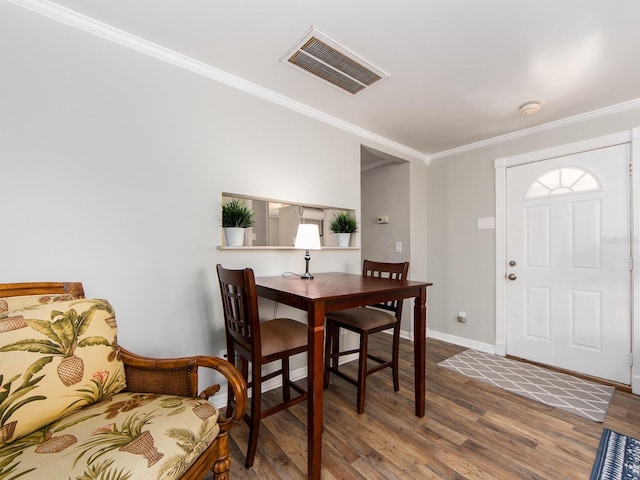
(221, 247)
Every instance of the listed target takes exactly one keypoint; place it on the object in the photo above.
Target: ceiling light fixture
(530, 108)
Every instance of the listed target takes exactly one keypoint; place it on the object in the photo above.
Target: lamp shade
(308, 237)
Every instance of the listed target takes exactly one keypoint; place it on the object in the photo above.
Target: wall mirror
(276, 221)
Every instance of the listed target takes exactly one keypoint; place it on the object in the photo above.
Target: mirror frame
(263, 234)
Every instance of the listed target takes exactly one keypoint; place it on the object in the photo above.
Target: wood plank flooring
(470, 431)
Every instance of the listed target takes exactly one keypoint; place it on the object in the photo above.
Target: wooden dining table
(329, 292)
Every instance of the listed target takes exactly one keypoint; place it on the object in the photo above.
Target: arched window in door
(562, 181)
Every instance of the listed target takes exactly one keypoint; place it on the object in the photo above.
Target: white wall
(112, 166)
(461, 189)
(385, 191)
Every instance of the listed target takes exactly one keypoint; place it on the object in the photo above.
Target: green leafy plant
(111, 437)
(101, 385)
(10, 452)
(104, 471)
(63, 334)
(343, 222)
(9, 465)
(235, 213)
(190, 442)
(12, 401)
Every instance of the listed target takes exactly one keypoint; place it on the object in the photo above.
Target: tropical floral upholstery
(63, 411)
(54, 359)
(15, 303)
(127, 436)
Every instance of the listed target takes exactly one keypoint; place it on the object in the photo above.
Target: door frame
(501, 164)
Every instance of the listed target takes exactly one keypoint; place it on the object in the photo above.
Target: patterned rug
(618, 457)
(586, 399)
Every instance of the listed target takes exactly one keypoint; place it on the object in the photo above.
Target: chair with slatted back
(366, 321)
(258, 343)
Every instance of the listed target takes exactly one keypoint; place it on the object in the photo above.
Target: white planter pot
(343, 239)
(234, 236)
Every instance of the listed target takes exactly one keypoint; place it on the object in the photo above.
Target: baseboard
(220, 400)
(635, 384)
(501, 349)
(406, 335)
(461, 341)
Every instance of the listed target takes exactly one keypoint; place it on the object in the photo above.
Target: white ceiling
(459, 68)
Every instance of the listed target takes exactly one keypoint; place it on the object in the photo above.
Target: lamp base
(306, 275)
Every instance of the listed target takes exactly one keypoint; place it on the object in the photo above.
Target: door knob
(512, 276)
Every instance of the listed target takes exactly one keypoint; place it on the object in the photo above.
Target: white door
(568, 262)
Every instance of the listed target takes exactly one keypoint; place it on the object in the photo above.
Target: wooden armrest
(41, 288)
(179, 376)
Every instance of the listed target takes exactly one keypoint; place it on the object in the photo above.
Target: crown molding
(90, 25)
(620, 107)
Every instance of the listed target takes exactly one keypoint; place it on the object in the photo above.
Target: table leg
(316, 389)
(420, 349)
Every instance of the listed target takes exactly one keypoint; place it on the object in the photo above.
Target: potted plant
(236, 216)
(343, 224)
(61, 337)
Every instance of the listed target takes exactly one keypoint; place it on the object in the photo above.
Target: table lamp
(307, 238)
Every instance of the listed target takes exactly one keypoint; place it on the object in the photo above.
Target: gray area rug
(580, 397)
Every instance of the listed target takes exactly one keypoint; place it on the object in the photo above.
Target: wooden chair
(365, 321)
(251, 341)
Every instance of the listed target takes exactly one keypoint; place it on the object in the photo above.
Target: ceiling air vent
(321, 56)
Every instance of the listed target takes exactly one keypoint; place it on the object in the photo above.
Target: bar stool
(365, 321)
(258, 343)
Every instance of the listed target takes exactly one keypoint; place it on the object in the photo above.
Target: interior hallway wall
(386, 192)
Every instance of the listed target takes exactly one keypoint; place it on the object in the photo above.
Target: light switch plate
(486, 223)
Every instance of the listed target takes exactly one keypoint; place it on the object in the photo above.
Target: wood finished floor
(470, 431)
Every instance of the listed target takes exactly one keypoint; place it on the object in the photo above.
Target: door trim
(501, 164)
